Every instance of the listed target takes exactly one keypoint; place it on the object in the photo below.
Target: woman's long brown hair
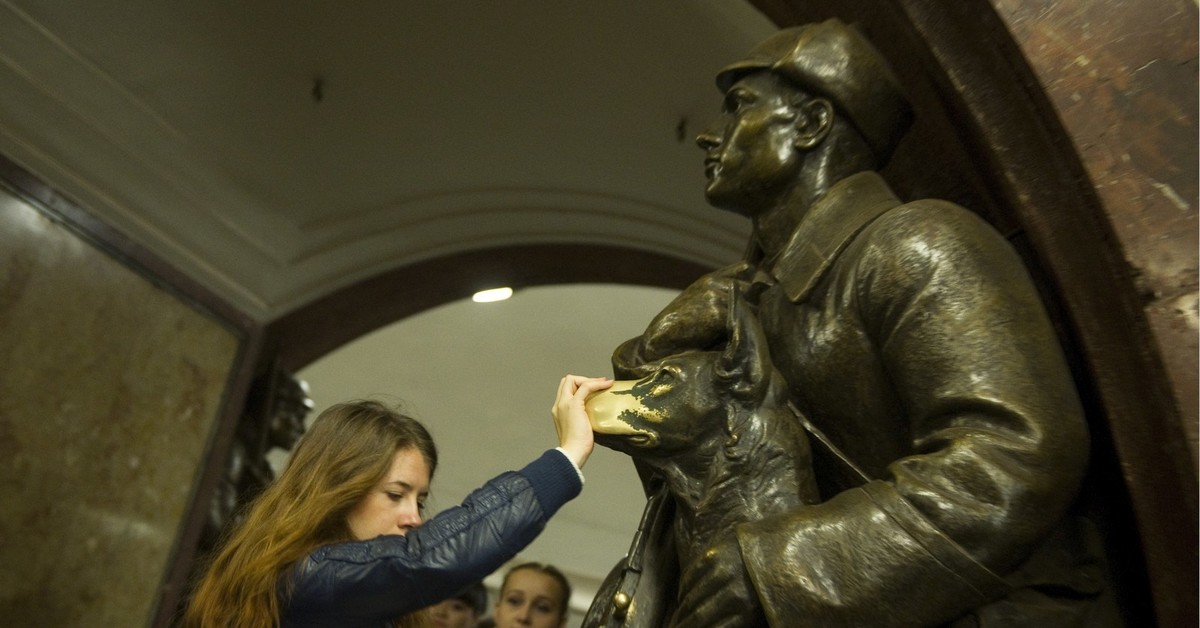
(346, 453)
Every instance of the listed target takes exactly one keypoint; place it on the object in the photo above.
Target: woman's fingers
(577, 388)
(589, 385)
(570, 416)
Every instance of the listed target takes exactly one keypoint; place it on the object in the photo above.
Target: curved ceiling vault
(278, 152)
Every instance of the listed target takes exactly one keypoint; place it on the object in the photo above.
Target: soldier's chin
(718, 196)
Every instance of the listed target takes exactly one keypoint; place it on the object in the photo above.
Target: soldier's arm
(998, 444)
(696, 319)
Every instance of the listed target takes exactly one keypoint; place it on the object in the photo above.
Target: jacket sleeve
(997, 448)
(368, 582)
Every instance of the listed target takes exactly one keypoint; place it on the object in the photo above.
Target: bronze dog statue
(716, 427)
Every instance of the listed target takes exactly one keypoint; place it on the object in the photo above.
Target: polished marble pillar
(109, 389)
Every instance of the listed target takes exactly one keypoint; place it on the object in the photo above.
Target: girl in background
(533, 595)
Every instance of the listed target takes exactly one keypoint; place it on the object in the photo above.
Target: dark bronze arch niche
(988, 137)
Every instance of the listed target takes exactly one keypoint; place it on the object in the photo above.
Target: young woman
(533, 595)
(337, 539)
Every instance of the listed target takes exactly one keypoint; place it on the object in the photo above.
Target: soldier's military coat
(913, 338)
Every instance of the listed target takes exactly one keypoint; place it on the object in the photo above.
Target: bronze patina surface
(949, 439)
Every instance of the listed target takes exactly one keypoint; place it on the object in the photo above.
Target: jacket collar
(825, 230)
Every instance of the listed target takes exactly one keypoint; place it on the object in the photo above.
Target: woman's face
(530, 598)
(394, 506)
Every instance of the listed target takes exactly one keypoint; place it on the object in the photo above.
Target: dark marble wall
(1123, 78)
(109, 390)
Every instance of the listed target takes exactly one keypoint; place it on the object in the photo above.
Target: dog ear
(745, 365)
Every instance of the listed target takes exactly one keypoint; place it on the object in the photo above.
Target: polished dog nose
(604, 408)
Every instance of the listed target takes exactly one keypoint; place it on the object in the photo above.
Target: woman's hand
(571, 419)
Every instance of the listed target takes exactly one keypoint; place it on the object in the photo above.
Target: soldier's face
(750, 153)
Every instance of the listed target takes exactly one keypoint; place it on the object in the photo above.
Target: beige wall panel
(109, 389)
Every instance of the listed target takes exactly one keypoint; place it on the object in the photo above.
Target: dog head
(687, 399)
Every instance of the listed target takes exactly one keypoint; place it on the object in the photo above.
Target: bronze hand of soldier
(715, 591)
(697, 318)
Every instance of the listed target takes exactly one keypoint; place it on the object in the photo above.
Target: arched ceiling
(278, 151)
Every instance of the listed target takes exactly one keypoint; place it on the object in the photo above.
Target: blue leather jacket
(368, 583)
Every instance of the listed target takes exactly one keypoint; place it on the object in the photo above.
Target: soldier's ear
(814, 119)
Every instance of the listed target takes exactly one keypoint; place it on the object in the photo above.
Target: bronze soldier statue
(948, 439)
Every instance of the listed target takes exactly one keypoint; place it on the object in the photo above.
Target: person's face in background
(395, 505)
(530, 598)
(454, 613)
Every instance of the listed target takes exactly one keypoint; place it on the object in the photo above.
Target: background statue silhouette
(274, 418)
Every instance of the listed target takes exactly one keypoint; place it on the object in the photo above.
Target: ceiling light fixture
(495, 294)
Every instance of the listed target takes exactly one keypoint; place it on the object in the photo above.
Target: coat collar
(825, 230)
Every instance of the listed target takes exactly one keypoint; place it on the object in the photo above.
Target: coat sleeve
(368, 582)
(998, 443)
